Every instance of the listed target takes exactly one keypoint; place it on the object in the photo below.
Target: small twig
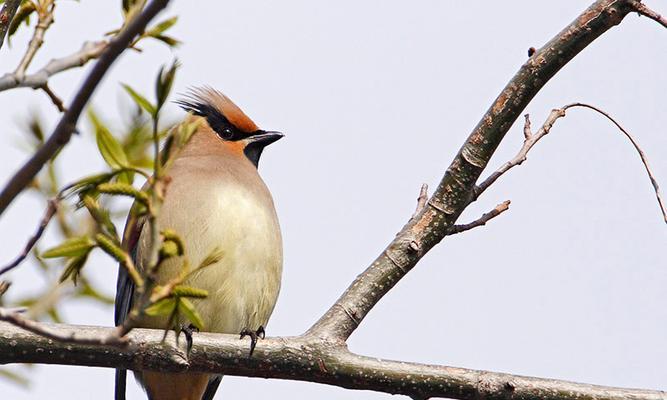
(37, 328)
(57, 101)
(654, 181)
(6, 16)
(642, 9)
(51, 210)
(530, 140)
(89, 51)
(421, 200)
(45, 19)
(481, 221)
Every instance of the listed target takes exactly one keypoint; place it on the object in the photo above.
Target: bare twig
(651, 176)
(6, 16)
(66, 126)
(51, 210)
(642, 9)
(530, 140)
(89, 51)
(57, 101)
(421, 200)
(481, 221)
(44, 21)
(44, 330)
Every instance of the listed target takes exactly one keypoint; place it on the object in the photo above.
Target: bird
(215, 199)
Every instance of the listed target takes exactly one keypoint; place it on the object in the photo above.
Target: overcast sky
(375, 98)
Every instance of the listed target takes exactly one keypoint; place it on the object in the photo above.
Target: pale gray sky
(376, 97)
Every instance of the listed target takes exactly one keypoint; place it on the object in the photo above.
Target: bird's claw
(254, 335)
(188, 330)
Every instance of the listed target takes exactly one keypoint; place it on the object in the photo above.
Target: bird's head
(235, 129)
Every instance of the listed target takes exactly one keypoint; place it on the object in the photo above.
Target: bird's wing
(125, 292)
(212, 387)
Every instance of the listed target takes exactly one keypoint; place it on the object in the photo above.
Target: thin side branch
(651, 176)
(66, 126)
(302, 358)
(51, 210)
(44, 21)
(57, 101)
(89, 51)
(421, 200)
(642, 9)
(6, 16)
(481, 221)
(530, 140)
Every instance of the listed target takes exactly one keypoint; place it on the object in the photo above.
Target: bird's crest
(216, 107)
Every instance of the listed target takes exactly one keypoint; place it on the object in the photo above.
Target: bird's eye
(227, 133)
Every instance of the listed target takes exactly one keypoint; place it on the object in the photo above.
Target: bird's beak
(265, 138)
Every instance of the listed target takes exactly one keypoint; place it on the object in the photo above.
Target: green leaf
(164, 82)
(162, 26)
(72, 247)
(140, 100)
(110, 149)
(87, 182)
(188, 310)
(168, 40)
(73, 267)
(162, 307)
(100, 215)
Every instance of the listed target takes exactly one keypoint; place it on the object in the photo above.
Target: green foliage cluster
(87, 210)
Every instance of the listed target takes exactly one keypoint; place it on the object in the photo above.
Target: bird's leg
(259, 333)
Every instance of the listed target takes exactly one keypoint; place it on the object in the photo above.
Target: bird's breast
(230, 213)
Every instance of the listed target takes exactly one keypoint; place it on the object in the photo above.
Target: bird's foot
(254, 335)
(187, 330)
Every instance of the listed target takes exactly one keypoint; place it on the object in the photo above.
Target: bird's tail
(121, 380)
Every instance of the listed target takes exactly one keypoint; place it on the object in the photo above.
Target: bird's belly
(243, 285)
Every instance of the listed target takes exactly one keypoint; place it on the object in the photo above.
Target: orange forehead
(238, 118)
(230, 110)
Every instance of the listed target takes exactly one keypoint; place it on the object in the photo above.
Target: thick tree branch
(455, 190)
(6, 16)
(67, 125)
(303, 358)
(62, 337)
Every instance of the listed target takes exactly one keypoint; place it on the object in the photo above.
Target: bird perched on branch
(215, 199)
